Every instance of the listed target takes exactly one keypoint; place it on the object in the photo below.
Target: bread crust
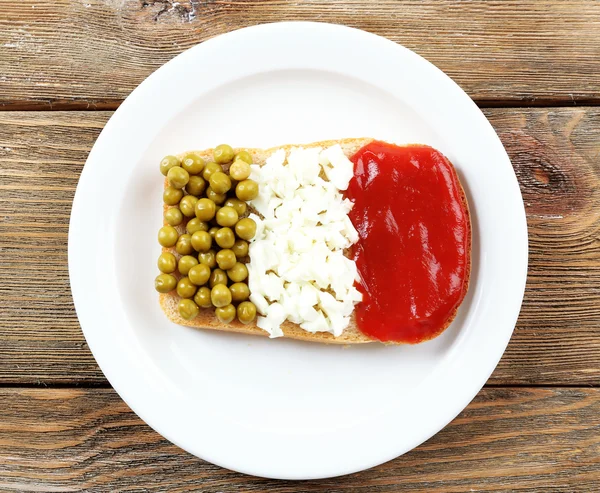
(352, 334)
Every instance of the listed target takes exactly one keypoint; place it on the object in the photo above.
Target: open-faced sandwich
(347, 241)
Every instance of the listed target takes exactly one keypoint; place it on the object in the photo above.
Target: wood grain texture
(83, 54)
(556, 156)
(555, 152)
(506, 440)
(41, 157)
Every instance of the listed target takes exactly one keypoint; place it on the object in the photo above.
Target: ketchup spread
(413, 252)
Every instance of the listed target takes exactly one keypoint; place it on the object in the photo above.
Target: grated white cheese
(297, 268)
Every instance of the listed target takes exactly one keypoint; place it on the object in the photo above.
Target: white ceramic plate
(280, 408)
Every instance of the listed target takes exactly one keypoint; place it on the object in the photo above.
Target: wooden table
(534, 68)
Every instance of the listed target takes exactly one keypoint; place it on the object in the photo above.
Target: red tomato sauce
(413, 252)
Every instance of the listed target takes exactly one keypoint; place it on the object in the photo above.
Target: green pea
(165, 283)
(246, 228)
(167, 263)
(202, 297)
(213, 232)
(192, 163)
(223, 154)
(246, 312)
(225, 314)
(209, 169)
(239, 205)
(244, 156)
(167, 236)
(172, 196)
(246, 190)
(239, 291)
(238, 272)
(186, 288)
(208, 258)
(240, 170)
(217, 198)
(220, 295)
(201, 241)
(220, 182)
(227, 216)
(226, 259)
(173, 216)
(178, 177)
(188, 309)
(195, 224)
(205, 209)
(225, 238)
(184, 245)
(196, 186)
(217, 276)
(187, 206)
(167, 163)
(186, 263)
(199, 274)
(240, 248)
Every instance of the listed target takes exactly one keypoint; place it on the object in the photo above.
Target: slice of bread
(207, 319)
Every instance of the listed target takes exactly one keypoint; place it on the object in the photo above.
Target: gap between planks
(112, 105)
(105, 384)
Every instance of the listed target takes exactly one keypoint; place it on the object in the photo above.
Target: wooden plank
(556, 156)
(92, 53)
(507, 440)
(41, 157)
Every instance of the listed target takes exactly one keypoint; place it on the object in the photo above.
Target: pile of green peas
(209, 199)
